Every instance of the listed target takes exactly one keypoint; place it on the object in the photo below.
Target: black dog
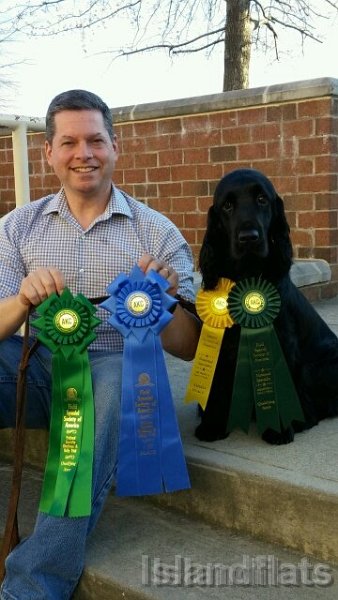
(248, 236)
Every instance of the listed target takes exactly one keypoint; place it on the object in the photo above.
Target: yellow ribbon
(212, 308)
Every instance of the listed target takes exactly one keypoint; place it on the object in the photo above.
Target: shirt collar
(117, 205)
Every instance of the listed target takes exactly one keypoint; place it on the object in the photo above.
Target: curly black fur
(247, 235)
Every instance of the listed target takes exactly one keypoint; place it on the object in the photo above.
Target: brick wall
(173, 153)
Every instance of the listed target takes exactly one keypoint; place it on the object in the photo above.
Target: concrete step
(140, 552)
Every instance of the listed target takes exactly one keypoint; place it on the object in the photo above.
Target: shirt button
(81, 270)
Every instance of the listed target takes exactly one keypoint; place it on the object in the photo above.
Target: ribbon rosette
(262, 377)
(212, 308)
(66, 327)
(150, 454)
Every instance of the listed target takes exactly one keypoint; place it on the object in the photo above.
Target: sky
(52, 65)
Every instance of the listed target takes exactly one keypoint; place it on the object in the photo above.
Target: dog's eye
(227, 206)
(262, 200)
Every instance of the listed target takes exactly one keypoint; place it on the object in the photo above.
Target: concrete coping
(304, 271)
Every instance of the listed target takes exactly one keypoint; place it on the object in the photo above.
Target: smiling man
(80, 238)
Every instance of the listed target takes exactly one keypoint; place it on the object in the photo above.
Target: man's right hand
(40, 284)
(35, 288)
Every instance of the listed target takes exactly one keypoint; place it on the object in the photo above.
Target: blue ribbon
(150, 453)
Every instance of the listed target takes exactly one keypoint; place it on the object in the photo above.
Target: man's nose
(84, 150)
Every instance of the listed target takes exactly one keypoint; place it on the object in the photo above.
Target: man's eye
(262, 200)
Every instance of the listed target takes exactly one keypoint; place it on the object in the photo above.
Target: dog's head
(247, 232)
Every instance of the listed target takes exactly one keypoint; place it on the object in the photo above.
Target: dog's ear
(280, 241)
(209, 253)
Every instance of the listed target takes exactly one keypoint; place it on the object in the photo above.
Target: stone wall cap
(282, 92)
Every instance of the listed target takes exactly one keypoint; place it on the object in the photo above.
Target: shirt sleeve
(177, 253)
(12, 269)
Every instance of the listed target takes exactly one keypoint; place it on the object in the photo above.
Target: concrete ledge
(307, 271)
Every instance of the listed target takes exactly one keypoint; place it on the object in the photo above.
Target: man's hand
(40, 284)
(35, 288)
(180, 336)
(148, 263)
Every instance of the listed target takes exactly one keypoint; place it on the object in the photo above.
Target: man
(80, 238)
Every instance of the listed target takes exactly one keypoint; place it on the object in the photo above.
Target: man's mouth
(84, 169)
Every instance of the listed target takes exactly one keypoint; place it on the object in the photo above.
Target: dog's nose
(246, 236)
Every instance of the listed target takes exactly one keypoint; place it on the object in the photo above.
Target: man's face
(82, 154)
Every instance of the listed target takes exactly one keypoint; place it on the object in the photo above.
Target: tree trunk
(237, 45)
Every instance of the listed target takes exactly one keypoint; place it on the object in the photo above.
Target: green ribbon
(66, 327)
(262, 378)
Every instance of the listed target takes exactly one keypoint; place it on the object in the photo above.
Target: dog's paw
(278, 438)
(205, 433)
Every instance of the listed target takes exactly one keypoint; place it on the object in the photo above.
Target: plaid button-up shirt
(44, 233)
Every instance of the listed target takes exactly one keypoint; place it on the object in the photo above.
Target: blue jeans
(48, 564)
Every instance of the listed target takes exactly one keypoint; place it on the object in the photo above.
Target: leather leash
(11, 534)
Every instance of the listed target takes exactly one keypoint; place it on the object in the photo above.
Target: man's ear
(48, 152)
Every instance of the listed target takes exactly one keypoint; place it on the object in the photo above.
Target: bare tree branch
(177, 26)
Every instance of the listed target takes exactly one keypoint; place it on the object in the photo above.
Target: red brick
(170, 157)
(314, 108)
(195, 220)
(223, 153)
(265, 131)
(281, 112)
(317, 145)
(301, 238)
(195, 123)
(134, 145)
(159, 174)
(252, 115)
(204, 203)
(255, 151)
(161, 142)
(169, 126)
(146, 190)
(189, 235)
(184, 204)
(194, 188)
(144, 129)
(183, 172)
(326, 237)
(195, 155)
(169, 189)
(318, 219)
(315, 183)
(305, 128)
(135, 175)
(237, 135)
(146, 159)
(210, 171)
(229, 119)
(161, 204)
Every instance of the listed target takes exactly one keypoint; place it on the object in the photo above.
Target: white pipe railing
(18, 127)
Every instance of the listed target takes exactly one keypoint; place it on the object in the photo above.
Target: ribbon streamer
(150, 453)
(262, 377)
(66, 327)
(212, 308)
